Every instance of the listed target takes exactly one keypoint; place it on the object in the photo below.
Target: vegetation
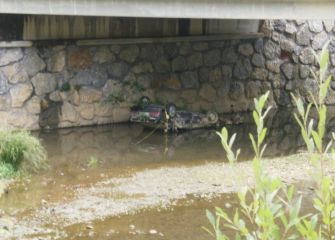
(20, 152)
(272, 210)
(66, 87)
(92, 162)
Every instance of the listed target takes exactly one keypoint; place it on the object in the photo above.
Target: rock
(166, 96)
(5, 103)
(307, 56)
(103, 109)
(55, 96)
(271, 50)
(89, 95)
(153, 231)
(290, 85)
(179, 64)
(207, 92)
(319, 40)
(277, 37)
(236, 90)
(44, 83)
(260, 74)
(242, 69)
(200, 46)
(79, 58)
(56, 62)
(287, 69)
(115, 49)
(229, 56)
(10, 55)
(194, 61)
(315, 25)
(258, 60)
(329, 25)
(253, 89)
(121, 114)
(227, 71)
(103, 55)
(290, 28)
(273, 66)
(143, 67)
(3, 83)
(275, 79)
(246, 49)
(96, 77)
(69, 112)
(118, 69)
(145, 80)
(172, 82)
(33, 106)
(287, 45)
(215, 75)
(258, 45)
(279, 25)
(185, 48)
(15, 73)
(162, 65)
(303, 36)
(86, 111)
(150, 52)
(304, 71)
(203, 74)
(112, 87)
(189, 79)
(130, 53)
(189, 95)
(19, 118)
(20, 93)
(212, 57)
(32, 62)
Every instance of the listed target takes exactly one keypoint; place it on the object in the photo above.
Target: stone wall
(62, 86)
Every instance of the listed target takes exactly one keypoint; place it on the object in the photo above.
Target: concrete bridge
(213, 9)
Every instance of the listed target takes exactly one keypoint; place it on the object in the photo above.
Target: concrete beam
(214, 9)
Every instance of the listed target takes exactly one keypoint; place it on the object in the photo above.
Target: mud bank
(156, 188)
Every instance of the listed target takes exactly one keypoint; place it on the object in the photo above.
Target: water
(81, 198)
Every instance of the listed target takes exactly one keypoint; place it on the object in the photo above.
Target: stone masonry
(63, 86)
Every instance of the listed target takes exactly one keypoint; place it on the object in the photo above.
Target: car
(167, 117)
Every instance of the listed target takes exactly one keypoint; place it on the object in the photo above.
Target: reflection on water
(127, 148)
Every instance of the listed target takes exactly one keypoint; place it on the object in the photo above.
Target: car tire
(212, 117)
(171, 110)
(144, 100)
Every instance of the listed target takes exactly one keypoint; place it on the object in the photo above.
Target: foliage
(66, 87)
(20, 151)
(116, 98)
(92, 162)
(271, 210)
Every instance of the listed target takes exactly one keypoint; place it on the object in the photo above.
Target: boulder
(227, 71)
(5, 102)
(229, 55)
(44, 83)
(246, 49)
(129, 53)
(143, 67)
(179, 64)
(69, 113)
(212, 57)
(89, 95)
(273, 66)
(103, 55)
(10, 55)
(258, 60)
(190, 95)
(32, 62)
(118, 69)
(33, 106)
(271, 50)
(207, 92)
(303, 36)
(200, 46)
(15, 73)
(236, 90)
(162, 64)
(319, 40)
(194, 61)
(253, 89)
(189, 79)
(172, 82)
(56, 62)
(86, 111)
(112, 87)
(315, 26)
(260, 74)
(287, 70)
(242, 69)
(20, 93)
(307, 56)
(121, 114)
(329, 25)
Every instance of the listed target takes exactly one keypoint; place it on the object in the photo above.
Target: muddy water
(125, 182)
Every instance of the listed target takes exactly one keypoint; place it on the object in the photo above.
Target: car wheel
(213, 117)
(144, 100)
(171, 110)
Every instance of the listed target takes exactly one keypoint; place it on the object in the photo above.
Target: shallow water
(44, 201)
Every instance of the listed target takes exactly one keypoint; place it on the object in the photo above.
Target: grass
(20, 152)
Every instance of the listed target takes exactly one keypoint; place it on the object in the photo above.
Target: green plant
(20, 151)
(66, 87)
(116, 98)
(92, 162)
(271, 212)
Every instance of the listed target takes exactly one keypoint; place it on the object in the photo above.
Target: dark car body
(167, 117)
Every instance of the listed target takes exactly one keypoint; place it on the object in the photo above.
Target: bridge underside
(213, 9)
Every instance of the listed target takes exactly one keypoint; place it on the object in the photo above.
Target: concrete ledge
(15, 44)
(120, 41)
(211, 9)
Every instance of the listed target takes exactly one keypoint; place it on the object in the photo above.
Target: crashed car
(169, 118)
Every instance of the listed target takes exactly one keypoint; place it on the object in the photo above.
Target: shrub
(272, 213)
(20, 151)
